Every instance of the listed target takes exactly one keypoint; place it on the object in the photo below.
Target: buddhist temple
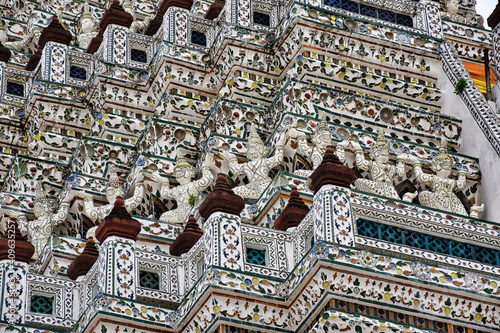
(241, 166)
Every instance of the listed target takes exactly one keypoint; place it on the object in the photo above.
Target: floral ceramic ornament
(320, 250)
(101, 302)
(184, 173)
(41, 229)
(421, 270)
(474, 281)
(257, 169)
(211, 276)
(381, 171)
(283, 289)
(113, 190)
(173, 318)
(367, 259)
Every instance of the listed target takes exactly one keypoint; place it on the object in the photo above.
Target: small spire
(293, 214)
(187, 239)
(443, 154)
(331, 172)
(118, 223)
(254, 136)
(323, 124)
(114, 181)
(181, 161)
(24, 249)
(40, 195)
(84, 262)
(221, 199)
(86, 11)
(381, 138)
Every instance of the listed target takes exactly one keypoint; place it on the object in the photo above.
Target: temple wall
(475, 144)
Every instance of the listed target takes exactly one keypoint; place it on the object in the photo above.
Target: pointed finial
(24, 250)
(380, 138)
(323, 124)
(181, 161)
(114, 181)
(118, 223)
(443, 152)
(84, 262)
(254, 137)
(381, 143)
(187, 239)
(40, 195)
(127, 4)
(331, 172)
(86, 11)
(294, 212)
(221, 199)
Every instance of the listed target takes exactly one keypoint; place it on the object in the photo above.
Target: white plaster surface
(475, 144)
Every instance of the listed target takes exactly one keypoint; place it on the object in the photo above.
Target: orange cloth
(477, 73)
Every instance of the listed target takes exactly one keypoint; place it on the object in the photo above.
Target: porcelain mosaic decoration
(154, 108)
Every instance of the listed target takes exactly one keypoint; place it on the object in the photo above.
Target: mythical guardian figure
(23, 45)
(321, 139)
(184, 173)
(257, 169)
(40, 229)
(88, 28)
(3, 34)
(113, 191)
(137, 25)
(381, 171)
(441, 194)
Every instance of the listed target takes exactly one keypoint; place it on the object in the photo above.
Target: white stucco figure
(381, 171)
(187, 188)
(39, 230)
(452, 6)
(321, 139)
(257, 169)
(137, 25)
(3, 34)
(23, 45)
(88, 28)
(441, 186)
(475, 210)
(113, 190)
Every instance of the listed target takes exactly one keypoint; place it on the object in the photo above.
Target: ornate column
(223, 241)
(54, 65)
(15, 254)
(117, 269)
(331, 206)
(116, 37)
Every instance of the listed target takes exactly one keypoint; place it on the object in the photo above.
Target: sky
(485, 8)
